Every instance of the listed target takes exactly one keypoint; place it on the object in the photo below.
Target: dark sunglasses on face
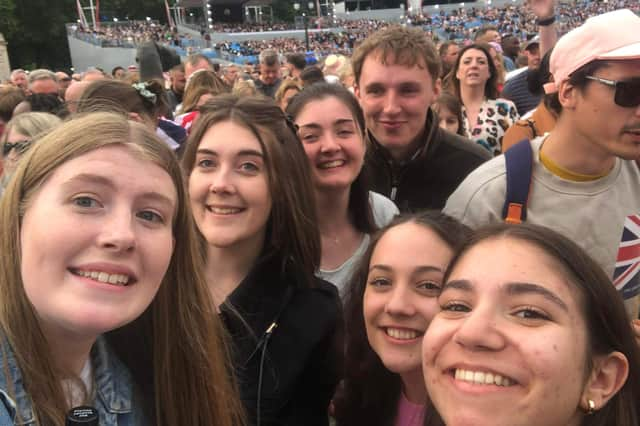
(20, 147)
(627, 92)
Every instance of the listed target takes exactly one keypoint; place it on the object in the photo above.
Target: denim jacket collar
(114, 386)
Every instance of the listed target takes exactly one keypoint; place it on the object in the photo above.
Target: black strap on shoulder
(519, 164)
(532, 126)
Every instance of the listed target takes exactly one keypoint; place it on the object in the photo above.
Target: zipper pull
(394, 191)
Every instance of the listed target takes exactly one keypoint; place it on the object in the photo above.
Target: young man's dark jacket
(433, 172)
(304, 353)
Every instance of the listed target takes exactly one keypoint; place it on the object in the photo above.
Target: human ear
(567, 94)
(134, 116)
(437, 88)
(356, 90)
(608, 375)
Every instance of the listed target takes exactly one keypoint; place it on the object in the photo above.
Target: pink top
(409, 414)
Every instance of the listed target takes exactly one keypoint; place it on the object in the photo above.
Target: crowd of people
(406, 234)
(458, 24)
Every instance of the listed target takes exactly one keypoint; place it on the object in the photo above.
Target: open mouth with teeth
(331, 164)
(482, 378)
(402, 333)
(224, 210)
(121, 280)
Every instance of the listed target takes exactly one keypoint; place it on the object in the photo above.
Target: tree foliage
(283, 10)
(35, 29)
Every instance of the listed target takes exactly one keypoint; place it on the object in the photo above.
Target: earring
(591, 407)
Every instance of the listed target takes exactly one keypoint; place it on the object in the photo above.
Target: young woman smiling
(390, 303)
(331, 128)
(253, 204)
(98, 307)
(539, 338)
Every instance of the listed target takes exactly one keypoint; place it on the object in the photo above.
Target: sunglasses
(20, 147)
(627, 92)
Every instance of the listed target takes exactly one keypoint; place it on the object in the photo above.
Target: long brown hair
(176, 350)
(118, 96)
(292, 229)
(490, 86)
(202, 82)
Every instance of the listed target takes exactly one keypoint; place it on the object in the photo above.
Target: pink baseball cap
(610, 36)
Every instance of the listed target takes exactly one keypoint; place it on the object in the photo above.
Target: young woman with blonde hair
(20, 133)
(104, 300)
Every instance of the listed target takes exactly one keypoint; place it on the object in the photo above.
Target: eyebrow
(518, 288)
(338, 122)
(108, 183)
(512, 289)
(243, 152)
(418, 269)
(90, 178)
(463, 285)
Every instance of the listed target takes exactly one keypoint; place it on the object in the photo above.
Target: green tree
(8, 24)
(36, 33)
(283, 10)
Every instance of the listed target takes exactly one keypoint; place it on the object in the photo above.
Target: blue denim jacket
(114, 390)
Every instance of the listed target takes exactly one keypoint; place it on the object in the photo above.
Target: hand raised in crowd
(542, 8)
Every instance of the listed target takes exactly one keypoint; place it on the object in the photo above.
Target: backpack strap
(519, 163)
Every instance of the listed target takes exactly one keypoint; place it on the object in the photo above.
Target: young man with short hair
(584, 181)
(296, 62)
(410, 159)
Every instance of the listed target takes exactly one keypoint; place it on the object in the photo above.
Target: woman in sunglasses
(19, 134)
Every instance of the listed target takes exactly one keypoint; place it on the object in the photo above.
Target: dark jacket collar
(261, 296)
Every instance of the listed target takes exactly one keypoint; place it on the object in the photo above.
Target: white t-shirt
(383, 212)
(73, 391)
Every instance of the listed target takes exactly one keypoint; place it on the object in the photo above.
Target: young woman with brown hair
(253, 204)
(104, 299)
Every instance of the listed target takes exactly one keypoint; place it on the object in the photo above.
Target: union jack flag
(626, 276)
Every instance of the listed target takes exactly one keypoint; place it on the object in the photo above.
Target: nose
(400, 302)
(328, 143)
(391, 105)
(479, 330)
(222, 182)
(118, 233)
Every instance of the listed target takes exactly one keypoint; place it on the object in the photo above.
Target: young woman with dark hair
(540, 337)
(331, 128)
(449, 110)
(390, 302)
(485, 116)
(254, 208)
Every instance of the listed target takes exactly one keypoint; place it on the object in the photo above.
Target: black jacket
(436, 169)
(304, 353)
